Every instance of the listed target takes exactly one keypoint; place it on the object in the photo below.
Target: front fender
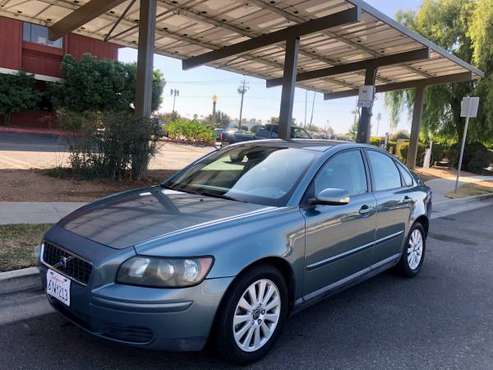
(236, 245)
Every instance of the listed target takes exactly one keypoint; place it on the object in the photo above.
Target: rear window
(407, 179)
(386, 176)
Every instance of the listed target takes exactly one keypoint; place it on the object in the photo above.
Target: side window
(344, 171)
(407, 179)
(385, 173)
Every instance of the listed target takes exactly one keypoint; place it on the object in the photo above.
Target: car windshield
(255, 174)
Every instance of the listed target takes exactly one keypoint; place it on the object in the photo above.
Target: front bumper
(159, 319)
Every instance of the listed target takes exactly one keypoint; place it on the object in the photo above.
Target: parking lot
(441, 319)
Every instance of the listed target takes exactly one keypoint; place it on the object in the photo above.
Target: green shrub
(377, 141)
(190, 131)
(439, 152)
(400, 135)
(112, 145)
(403, 150)
(476, 157)
(93, 84)
(391, 147)
(17, 94)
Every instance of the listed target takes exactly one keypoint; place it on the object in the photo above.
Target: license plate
(58, 286)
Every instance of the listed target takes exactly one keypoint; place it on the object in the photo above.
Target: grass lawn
(17, 244)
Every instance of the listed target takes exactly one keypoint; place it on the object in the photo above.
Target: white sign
(469, 107)
(366, 96)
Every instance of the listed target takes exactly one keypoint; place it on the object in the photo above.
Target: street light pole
(214, 102)
(242, 90)
(174, 94)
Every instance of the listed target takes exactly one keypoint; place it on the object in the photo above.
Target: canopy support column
(288, 87)
(147, 25)
(412, 153)
(364, 127)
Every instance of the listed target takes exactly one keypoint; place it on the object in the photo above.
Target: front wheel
(252, 315)
(413, 256)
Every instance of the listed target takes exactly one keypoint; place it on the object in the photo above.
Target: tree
(463, 27)
(17, 94)
(93, 84)
(220, 120)
(353, 131)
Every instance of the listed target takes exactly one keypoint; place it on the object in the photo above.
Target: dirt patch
(37, 186)
(440, 173)
(17, 244)
(469, 190)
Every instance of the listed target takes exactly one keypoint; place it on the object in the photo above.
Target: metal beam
(297, 18)
(412, 152)
(108, 35)
(344, 17)
(364, 127)
(459, 77)
(147, 25)
(192, 13)
(356, 66)
(81, 16)
(288, 87)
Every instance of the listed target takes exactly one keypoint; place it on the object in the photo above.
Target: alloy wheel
(256, 315)
(415, 249)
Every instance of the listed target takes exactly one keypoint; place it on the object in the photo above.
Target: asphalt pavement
(26, 142)
(441, 319)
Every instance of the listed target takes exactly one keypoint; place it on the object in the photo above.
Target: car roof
(318, 145)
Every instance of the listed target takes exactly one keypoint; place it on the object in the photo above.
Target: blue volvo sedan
(229, 247)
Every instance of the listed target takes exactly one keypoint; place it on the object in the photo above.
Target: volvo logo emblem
(62, 263)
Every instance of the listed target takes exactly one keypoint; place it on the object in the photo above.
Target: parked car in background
(260, 133)
(218, 132)
(229, 247)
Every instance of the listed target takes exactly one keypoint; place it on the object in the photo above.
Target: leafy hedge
(112, 145)
(404, 148)
(190, 131)
(93, 84)
(17, 93)
(476, 157)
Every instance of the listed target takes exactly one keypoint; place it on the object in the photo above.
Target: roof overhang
(215, 32)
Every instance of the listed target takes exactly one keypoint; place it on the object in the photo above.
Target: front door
(339, 238)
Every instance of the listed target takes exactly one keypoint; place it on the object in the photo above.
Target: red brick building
(25, 47)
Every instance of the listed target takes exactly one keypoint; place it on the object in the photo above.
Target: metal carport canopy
(188, 28)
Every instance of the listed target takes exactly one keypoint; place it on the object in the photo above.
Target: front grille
(66, 263)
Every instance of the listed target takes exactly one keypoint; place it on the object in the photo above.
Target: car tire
(413, 254)
(230, 343)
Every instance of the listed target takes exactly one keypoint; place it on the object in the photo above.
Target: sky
(199, 85)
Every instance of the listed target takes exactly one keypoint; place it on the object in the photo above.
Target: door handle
(365, 209)
(407, 199)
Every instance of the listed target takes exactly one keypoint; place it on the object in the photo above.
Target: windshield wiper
(214, 195)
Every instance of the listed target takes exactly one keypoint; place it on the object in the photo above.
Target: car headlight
(164, 272)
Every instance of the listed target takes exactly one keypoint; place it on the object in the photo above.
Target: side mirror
(331, 197)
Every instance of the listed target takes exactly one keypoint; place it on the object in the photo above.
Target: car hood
(130, 218)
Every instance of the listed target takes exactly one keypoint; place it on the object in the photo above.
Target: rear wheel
(252, 315)
(413, 256)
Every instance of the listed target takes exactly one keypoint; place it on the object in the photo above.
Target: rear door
(394, 205)
(339, 238)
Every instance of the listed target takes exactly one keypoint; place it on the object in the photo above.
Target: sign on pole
(469, 109)
(366, 96)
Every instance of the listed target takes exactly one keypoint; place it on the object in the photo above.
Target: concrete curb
(17, 274)
(17, 281)
(474, 197)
